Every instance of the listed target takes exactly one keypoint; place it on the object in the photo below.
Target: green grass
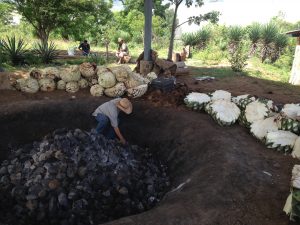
(217, 72)
(268, 71)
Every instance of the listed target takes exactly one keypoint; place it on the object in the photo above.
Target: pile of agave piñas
(113, 82)
(278, 129)
(292, 205)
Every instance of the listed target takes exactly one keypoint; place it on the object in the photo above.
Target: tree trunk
(171, 45)
(106, 45)
(43, 35)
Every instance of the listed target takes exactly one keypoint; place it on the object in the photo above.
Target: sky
(239, 12)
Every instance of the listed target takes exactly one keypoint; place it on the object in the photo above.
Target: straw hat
(125, 105)
(120, 39)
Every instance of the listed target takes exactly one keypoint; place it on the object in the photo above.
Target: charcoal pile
(77, 177)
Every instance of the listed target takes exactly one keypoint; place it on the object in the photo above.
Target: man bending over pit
(107, 117)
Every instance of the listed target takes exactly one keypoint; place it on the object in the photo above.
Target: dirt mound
(167, 99)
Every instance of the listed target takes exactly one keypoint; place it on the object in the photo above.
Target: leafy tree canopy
(5, 13)
(212, 16)
(158, 6)
(45, 16)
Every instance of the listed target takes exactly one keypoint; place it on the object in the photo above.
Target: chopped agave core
(296, 176)
(256, 111)
(225, 111)
(221, 95)
(260, 128)
(296, 149)
(281, 138)
(198, 97)
(291, 111)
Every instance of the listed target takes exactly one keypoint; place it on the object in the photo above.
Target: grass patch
(217, 72)
(268, 71)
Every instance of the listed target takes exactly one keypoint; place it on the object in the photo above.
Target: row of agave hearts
(277, 128)
(292, 204)
(113, 82)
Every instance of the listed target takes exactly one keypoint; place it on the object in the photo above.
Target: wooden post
(148, 29)
(295, 73)
(298, 40)
(146, 65)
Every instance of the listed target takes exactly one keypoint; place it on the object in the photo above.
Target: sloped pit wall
(146, 126)
(217, 174)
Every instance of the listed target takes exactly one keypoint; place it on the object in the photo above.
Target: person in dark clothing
(85, 48)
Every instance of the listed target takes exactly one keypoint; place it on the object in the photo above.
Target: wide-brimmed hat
(120, 39)
(125, 105)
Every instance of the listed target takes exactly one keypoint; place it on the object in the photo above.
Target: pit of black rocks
(216, 174)
(77, 177)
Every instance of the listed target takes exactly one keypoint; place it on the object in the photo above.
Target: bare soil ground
(231, 178)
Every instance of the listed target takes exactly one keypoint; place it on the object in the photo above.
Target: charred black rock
(75, 177)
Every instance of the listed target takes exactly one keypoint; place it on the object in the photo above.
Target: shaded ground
(224, 167)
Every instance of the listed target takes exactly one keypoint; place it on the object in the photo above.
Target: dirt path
(276, 91)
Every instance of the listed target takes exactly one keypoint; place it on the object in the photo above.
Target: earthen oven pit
(218, 175)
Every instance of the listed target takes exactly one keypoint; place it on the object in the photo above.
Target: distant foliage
(189, 39)
(237, 54)
(203, 37)
(238, 58)
(122, 34)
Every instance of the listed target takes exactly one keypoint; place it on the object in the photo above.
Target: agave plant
(96, 59)
(202, 37)
(47, 52)
(189, 39)
(268, 37)
(280, 43)
(14, 49)
(235, 36)
(254, 34)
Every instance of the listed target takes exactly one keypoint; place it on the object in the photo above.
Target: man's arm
(80, 46)
(120, 136)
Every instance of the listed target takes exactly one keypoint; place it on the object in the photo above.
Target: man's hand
(120, 136)
(123, 141)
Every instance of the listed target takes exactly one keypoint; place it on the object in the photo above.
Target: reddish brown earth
(232, 179)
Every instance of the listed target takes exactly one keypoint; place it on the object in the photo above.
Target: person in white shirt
(107, 117)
